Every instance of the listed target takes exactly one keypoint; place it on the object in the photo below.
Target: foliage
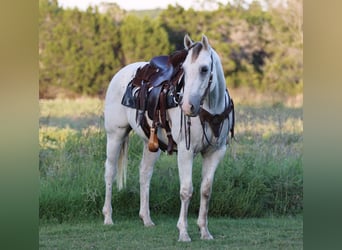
(136, 41)
(79, 52)
(261, 174)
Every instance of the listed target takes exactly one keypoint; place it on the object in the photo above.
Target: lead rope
(187, 124)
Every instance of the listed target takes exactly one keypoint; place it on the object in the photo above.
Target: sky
(130, 4)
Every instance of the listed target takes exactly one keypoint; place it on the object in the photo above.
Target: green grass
(76, 114)
(128, 233)
(261, 174)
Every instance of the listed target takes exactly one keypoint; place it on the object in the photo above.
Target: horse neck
(215, 101)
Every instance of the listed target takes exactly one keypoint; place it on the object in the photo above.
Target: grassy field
(257, 194)
(262, 233)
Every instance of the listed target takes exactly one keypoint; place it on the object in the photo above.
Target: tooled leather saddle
(153, 90)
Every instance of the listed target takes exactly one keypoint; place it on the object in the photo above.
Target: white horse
(204, 90)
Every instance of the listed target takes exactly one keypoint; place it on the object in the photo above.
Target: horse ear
(205, 42)
(187, 41)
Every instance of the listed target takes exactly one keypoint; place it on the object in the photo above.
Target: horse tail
(122, 165)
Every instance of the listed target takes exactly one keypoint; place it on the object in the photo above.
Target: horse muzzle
(191, 108)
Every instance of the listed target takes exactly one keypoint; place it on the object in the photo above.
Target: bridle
(205, 116)
(179, 95)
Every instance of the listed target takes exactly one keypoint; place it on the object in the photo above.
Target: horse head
(198, 67)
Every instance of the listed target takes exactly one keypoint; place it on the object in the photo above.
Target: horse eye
(204, 69)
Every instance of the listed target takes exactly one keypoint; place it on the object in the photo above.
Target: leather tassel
(153, 144)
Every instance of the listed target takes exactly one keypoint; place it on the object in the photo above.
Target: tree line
(80, 51)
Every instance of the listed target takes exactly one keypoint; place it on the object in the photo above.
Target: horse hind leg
(116, 146)
(145, 172)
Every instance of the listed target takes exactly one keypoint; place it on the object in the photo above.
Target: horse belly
(131, 115)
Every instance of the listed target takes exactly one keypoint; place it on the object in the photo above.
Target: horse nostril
(192, 108)
(189, 109)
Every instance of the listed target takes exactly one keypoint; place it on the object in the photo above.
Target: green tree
(81, 53)
(284, 71)
(142, 39)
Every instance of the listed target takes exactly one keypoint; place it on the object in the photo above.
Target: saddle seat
(163, 70)
(161, 62)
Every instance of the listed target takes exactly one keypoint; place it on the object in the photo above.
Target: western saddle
(154, 89)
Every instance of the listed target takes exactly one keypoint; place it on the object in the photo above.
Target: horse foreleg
(146, 171)
(185, 160)
(114, 143)
(210, 162)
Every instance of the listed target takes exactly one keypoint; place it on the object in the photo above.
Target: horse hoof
(108, 221)
(207, 237)
(149, 224)
(146, 220)
(184, 238)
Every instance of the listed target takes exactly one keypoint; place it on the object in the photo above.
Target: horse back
(119, 82)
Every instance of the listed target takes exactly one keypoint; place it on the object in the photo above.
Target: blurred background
(82, 44)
